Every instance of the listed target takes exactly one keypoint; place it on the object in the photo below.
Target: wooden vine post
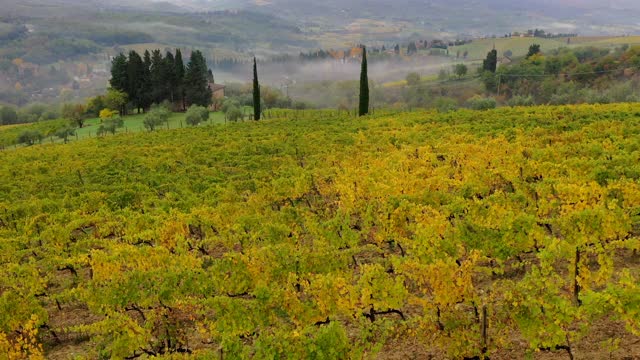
(576, 284)
(485, 341)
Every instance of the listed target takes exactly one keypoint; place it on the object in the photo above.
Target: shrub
(8, 115)
(413, 78)
(64, 133)
(228, 104)
(30, 137)
(234, 113)
(595, 97)
(480, 103)
(460, 70)
(561, 99)
(74, 113)
(156, 117)
(443, 74)
(197, 114)
(107, 114)
(622, 93)
(301, 105)
(110, 126)
(445, 104)
(521, 101)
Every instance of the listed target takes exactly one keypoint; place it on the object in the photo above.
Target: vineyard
(505, 234)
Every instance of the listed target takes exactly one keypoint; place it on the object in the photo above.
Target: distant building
(217, 94)
(355, 52)
(28, 68)
(100, 70)
(337, 54)
(629, 72)
(505, 60)
(217, 90)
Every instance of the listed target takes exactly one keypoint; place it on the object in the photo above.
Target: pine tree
(196, 84)
(158, 79)
(256, 92)
(146, 91)
(135, 74)
(179, 78)
(119, 79)
(169, 74)
(534, 49)
(364, 85)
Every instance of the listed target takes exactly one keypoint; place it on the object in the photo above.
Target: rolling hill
(478, 17)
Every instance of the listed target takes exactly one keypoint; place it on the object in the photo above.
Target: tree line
(154, 79)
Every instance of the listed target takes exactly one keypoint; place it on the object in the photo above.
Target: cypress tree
(494, 60)
(179, 78)
(412, 48)
(491, 62)
(256, 92)
(364, 85)
(196, 83)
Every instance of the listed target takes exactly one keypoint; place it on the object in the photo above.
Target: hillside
(318, 235)
(60, 49)
(479, 48)
(479, 17)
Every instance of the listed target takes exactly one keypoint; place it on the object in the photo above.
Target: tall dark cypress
(364, 85)
(179, 78)
(491, 62)
(256, 92)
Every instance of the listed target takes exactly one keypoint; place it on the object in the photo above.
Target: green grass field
(132, 124)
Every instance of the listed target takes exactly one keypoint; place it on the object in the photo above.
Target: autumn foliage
(319, 235)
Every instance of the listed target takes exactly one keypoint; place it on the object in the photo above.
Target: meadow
(132, 124)
(509, 233)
